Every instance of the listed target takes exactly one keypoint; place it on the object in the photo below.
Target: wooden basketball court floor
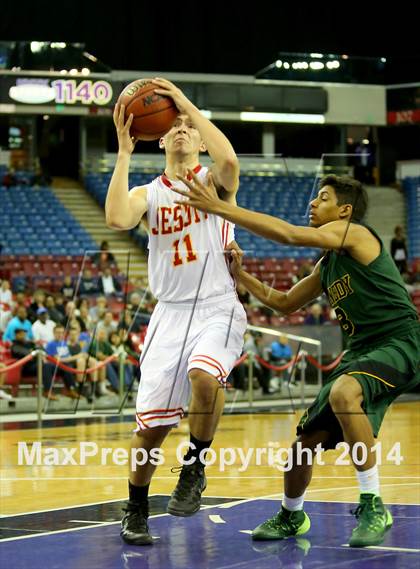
(67, 516)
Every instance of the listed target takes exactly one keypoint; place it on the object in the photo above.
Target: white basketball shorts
(181, 337)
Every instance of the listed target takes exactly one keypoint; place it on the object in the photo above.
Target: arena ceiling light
(283, 117)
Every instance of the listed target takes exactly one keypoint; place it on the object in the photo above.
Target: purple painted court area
(202, 542)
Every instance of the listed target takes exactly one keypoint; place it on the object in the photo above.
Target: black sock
(199, 446)
(138, 494)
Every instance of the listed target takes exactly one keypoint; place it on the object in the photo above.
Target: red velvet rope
(17, 364)
(81, 372)
(326, 367)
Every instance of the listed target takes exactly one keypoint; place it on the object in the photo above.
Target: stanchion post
(319, 371)
(121, 375)
(302, 365)
(38, 354)
(250, 378)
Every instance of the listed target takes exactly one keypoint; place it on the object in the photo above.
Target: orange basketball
(153, 114)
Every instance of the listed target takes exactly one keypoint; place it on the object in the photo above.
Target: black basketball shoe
(186, 498)
(134, 528)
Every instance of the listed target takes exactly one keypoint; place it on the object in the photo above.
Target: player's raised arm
(298, 296)
(336, 234)
(123, 209)
(226, 165)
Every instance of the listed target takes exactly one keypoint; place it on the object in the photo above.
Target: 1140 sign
(87, 92)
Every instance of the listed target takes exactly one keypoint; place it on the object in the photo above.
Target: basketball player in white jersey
(196, 331)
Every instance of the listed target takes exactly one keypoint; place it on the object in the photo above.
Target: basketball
(153, 114)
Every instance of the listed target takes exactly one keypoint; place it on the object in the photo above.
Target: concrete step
(92, 218)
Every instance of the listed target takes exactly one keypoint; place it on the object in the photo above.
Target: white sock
(293, 504)
(369, 481)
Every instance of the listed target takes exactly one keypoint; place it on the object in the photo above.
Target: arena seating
(34, 222)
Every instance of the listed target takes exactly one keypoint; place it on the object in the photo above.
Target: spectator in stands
(101, 349)
(38, 302)
(43, 328)
(59, 304)
(140, 316)
(107, 323)
(108, 284)
(85, 319)
(6, 302)
(315, 315)
(83, 362)
(55, 314)
(20, 348)
(118, 349)
(20, 321)
(59, 349)
(280, 354)
(88, 285)
(98, 311)
(126, 321)
(6, 293)
(68, 289)
(399, 249)
(103, 258)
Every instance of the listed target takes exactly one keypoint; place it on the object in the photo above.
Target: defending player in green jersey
(383, 340)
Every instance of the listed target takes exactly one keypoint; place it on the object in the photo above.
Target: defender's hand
(201, 196)
(235, 258)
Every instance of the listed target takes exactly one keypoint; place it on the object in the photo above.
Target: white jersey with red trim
(186, 259)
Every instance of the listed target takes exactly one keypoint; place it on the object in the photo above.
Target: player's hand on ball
(235, 258)
(126, 143)
(168, 89)
(202, 196)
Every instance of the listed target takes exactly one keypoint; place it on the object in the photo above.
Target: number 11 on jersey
(191, 256)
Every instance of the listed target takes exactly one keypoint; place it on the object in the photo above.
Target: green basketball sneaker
(374, 521)
(282, 525)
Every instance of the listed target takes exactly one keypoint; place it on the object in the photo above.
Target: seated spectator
(85, 319)
(98, 311)
(6, 302)
(55, 314)
(83, 362)
(69, 288)
(88, 285)
(315, 316)
(108, 284)
(107, 324)
(280, 354)
(38, 302)
(138, 312)
(126, 321)
(118, 348)
(101, 349)
(59, 304)
(20, 348)
(399, 251)
(59, 349)
(20, 321)
(43, 328)
(103, 258)
(5, 294)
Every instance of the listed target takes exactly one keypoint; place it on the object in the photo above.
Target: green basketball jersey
(370, 301)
